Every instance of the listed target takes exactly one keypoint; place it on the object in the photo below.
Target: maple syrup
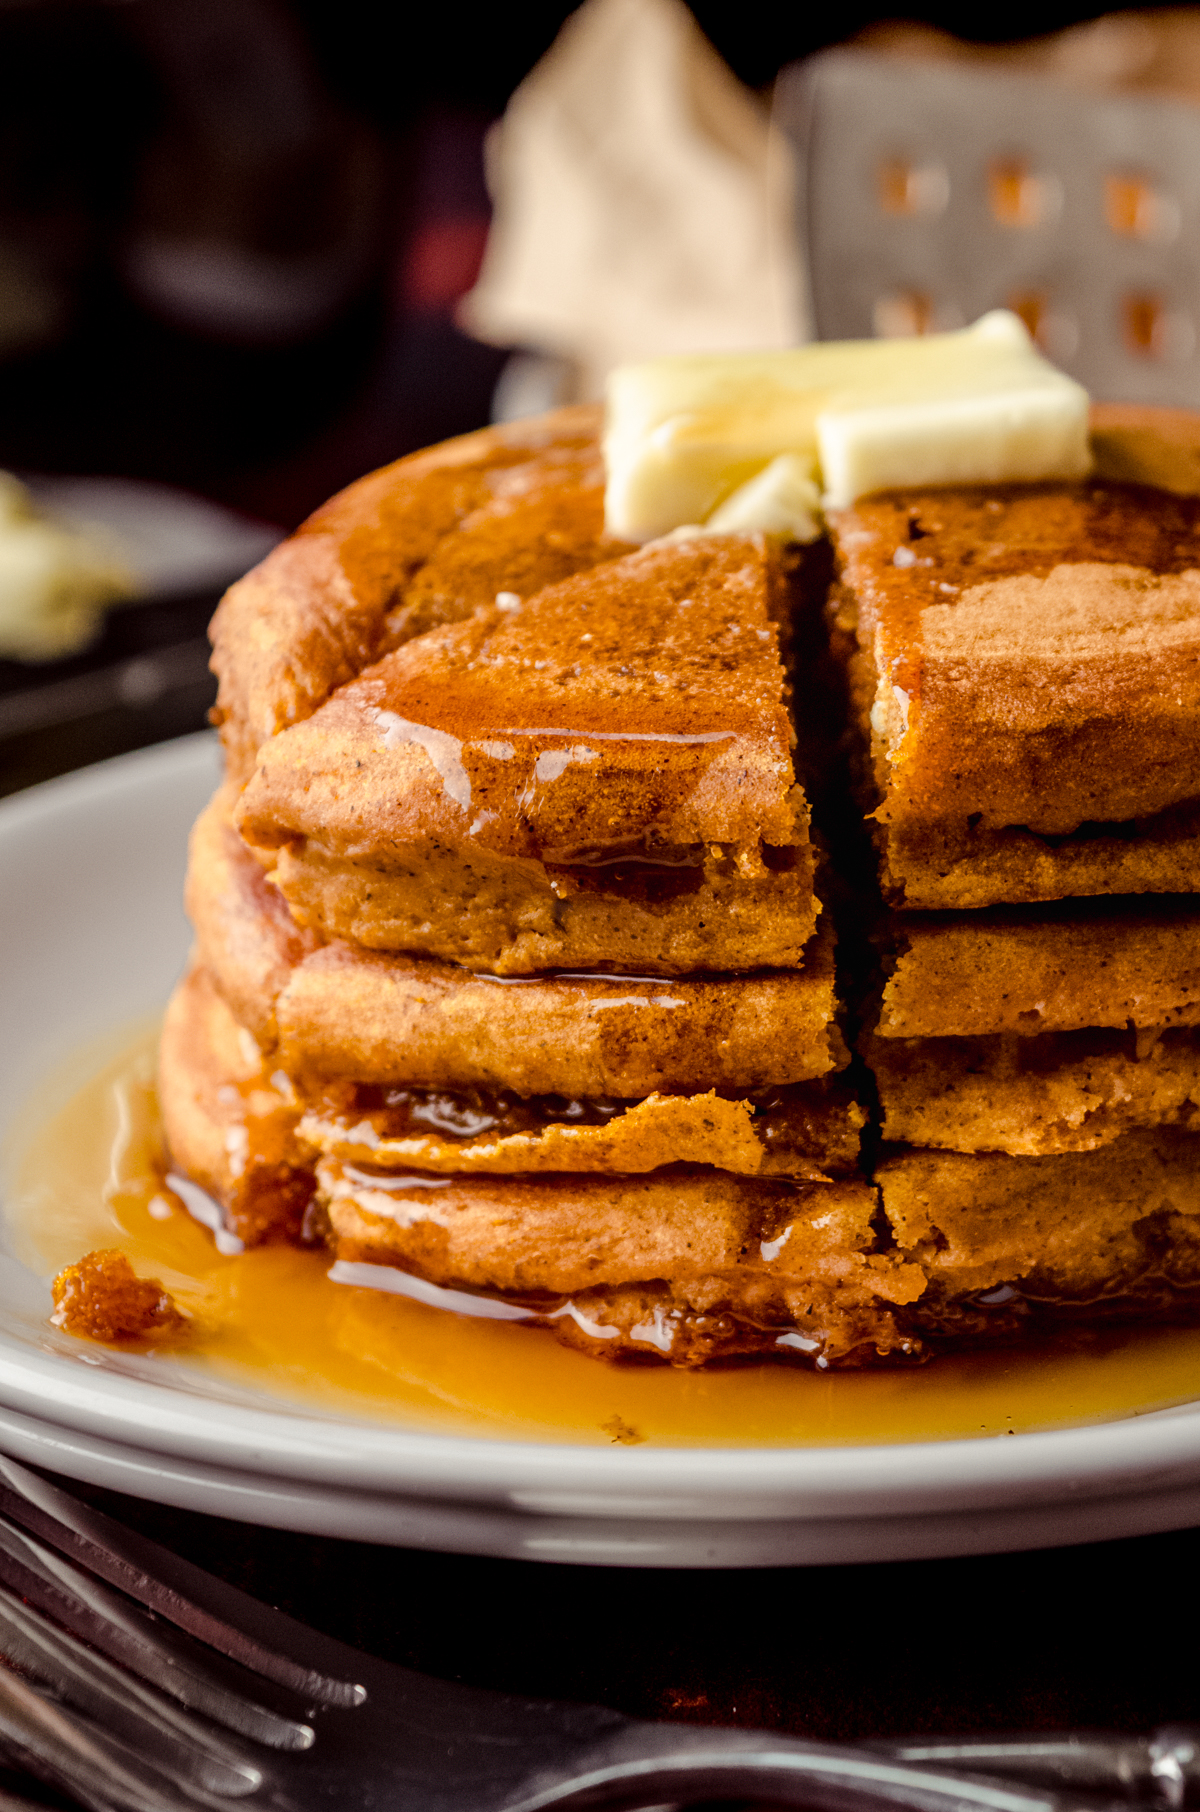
(92, 1174)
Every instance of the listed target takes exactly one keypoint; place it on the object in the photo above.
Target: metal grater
(933, 192)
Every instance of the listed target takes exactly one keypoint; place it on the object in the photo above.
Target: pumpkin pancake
(397, 553)
(709, 1264)
(1065, 1091)
(1077, 1228)
(338, 1010)
(1028, 678)
(233, 1113)
(1030, 970)
(615, 748)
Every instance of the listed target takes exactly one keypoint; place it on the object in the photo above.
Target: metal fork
(137, 1683)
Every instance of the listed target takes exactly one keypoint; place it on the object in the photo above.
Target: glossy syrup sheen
(950, 541)
(91, 1175)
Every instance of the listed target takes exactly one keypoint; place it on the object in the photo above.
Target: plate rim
(594, 1538)
(813, 1481)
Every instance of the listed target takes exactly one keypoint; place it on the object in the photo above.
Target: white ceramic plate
(91, 870)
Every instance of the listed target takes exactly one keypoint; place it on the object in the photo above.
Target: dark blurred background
(233, 235)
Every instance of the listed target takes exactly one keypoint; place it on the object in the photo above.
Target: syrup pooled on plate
(92, 1175)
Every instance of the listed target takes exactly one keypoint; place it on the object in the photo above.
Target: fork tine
(60, 1751)
(108, 1622)
(192, 1755)
(99, 1545)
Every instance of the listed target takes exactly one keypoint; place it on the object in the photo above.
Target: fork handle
(649, 1764)
(1163, 1767)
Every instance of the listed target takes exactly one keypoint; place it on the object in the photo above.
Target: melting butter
(690, 438)
(782, 499)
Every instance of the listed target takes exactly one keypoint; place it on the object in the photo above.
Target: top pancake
(475, 726)
(634, 711)
(400, 551)
(1030, 663)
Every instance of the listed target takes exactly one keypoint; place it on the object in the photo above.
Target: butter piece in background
(55, 578)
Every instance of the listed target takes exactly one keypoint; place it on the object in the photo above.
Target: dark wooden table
(1095, 1636)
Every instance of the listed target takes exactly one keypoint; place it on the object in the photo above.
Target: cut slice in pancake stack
(512, 977)
(514, 984)
(1027, 672)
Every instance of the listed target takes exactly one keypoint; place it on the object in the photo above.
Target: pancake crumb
(622, 1433)
(103, 1298)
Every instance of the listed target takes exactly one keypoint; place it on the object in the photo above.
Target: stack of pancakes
(512, 976)
(514, 985)
(1026, 671)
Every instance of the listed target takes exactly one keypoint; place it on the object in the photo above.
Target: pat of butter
(782, 500)
(978, 406)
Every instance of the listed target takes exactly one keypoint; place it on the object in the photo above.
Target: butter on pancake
(685, 434)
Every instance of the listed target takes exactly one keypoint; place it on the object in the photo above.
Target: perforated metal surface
(932, 193)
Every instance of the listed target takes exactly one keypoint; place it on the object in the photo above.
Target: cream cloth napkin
(643, 202)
